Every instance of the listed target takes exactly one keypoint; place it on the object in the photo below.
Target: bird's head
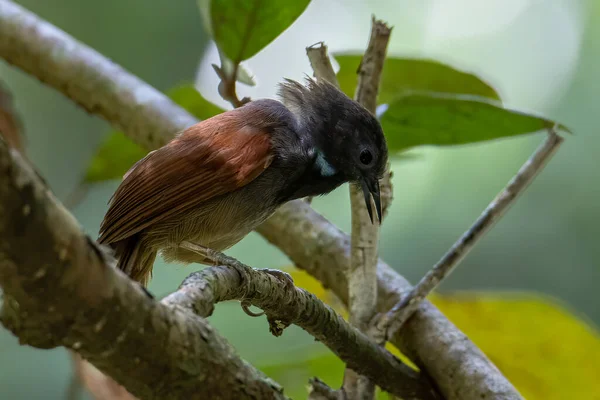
(348, 140)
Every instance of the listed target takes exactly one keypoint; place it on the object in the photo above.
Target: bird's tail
(135, 259)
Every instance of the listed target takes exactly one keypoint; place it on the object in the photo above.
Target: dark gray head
(348, 140)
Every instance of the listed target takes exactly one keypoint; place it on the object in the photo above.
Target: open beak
(371, 188)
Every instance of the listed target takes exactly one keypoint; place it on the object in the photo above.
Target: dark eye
(366, 157)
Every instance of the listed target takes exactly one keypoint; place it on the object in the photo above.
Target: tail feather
(135, 259)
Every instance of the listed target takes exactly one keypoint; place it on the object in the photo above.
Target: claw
(284, 277)
(246, 307)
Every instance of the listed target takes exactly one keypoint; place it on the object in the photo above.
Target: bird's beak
(370, 188)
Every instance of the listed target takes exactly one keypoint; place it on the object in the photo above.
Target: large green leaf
(118, 153)
(444, 120)
(406, 74)
(242, 28)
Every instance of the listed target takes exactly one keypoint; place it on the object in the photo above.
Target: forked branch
(397, 316)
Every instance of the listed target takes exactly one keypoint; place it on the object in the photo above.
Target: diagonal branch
(396, 317)
(311, 241)
(457, 366)
(68, 293)
(362, 275)
(284, 305)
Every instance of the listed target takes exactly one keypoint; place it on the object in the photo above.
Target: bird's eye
(366, 157)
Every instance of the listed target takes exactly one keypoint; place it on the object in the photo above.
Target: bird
(217, 180)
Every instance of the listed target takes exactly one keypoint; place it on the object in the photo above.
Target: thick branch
(312, 242)
(362, 275)
(393, 320)
(105, 89)
(63, 293)
(286, 305)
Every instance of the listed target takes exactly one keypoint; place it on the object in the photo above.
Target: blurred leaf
(243, 74)
(543, 349)
(118, 153)
(114, 157)
(242, 28)
(401, 75)
(444, 120)
(11, 126)
(189, 98)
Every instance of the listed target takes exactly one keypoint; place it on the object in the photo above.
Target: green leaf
(242, 28)
(118, 153)
(444, 120)
(114, 157)
(189, 98)
(401, 75)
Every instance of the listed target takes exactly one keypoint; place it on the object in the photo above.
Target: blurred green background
(542, 57)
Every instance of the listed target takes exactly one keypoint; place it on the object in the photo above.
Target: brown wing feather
(209, 159)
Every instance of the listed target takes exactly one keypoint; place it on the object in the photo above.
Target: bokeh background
(541, 55)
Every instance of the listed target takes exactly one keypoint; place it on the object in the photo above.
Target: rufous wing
(209, 159)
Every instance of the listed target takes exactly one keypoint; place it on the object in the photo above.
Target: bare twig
(322, 69)
(227, 88)
(318, 390)
(312, 242)
(393, 320)
(11, 125)
(362, 275)
(321, 64)
(285, 304)
(98, 385)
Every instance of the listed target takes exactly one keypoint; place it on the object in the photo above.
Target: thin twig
(227, 86)
(322, 69)
(284, 304)
(362, 275)
(321, 64)
(318, 390)
(393, 320)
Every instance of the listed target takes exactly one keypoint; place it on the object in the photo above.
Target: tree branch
(55, 58)
(286, 304)
(311, 241)
(393, 320)
(65, 293)
(428, 338)
(362, 275)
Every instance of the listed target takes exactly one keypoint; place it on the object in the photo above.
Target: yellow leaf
(542, 348)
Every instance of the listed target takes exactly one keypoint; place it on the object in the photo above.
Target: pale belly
(217, 225)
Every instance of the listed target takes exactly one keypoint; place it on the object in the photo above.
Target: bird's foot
(284, 277)
(246, 308)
